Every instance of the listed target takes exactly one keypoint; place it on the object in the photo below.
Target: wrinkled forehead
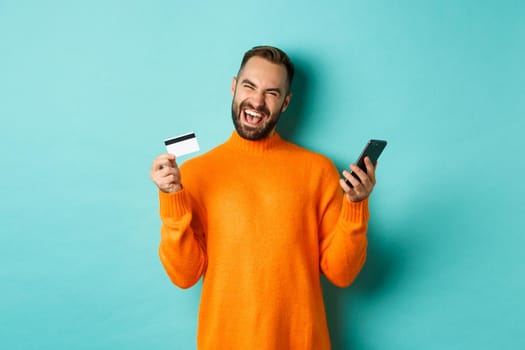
(264, 73)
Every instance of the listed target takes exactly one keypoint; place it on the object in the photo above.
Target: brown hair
(273, 55)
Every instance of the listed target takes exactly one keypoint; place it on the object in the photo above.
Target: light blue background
(88, 91)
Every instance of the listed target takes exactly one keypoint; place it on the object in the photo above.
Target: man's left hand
(361, 189)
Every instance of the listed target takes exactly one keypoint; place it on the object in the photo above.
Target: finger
(172, 179)
(357, 194)
(159, 163)
(366, 181)
(350, 193)
(350, 180)
(166, 185)
(168, 171)
(168, 161)
(361, 187)
(370, 170)
(161, 176)
(344, 185)
(359, 172)
(164, 161)
(173, 161)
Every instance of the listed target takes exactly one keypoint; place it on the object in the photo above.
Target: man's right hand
(165, 173)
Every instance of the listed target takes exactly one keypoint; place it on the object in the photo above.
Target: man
(260, 218)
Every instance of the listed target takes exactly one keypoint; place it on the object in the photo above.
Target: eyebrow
(247, 81)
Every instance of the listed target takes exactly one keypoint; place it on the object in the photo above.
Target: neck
(239, 143)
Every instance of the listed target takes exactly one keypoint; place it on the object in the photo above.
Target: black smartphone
(372, 150)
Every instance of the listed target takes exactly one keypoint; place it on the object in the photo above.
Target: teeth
(253, 114)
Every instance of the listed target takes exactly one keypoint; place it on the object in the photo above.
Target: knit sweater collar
(240, 144)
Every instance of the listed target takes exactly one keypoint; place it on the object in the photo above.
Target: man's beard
(249, 133)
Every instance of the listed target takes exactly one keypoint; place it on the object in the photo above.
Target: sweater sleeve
(343, 247)
(182, 248)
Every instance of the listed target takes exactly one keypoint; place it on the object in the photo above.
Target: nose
(257, 99)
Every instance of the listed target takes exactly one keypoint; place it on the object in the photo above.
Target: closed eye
(273, 92)
(248, 84)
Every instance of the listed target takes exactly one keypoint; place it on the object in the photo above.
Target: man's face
(260, 95)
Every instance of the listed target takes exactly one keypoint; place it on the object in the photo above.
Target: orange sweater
(260, 220)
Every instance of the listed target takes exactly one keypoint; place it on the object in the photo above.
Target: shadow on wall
(293, 120)
(381, 262)
(373, 279)
(398, 254)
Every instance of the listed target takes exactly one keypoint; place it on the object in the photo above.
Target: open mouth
(252, 117)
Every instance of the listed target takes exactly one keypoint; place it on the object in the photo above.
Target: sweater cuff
(355, 211)
(173, 204)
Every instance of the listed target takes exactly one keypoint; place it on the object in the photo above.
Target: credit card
(182, 144)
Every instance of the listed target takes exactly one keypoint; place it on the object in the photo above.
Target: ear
(234, 84)
(286, 102)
